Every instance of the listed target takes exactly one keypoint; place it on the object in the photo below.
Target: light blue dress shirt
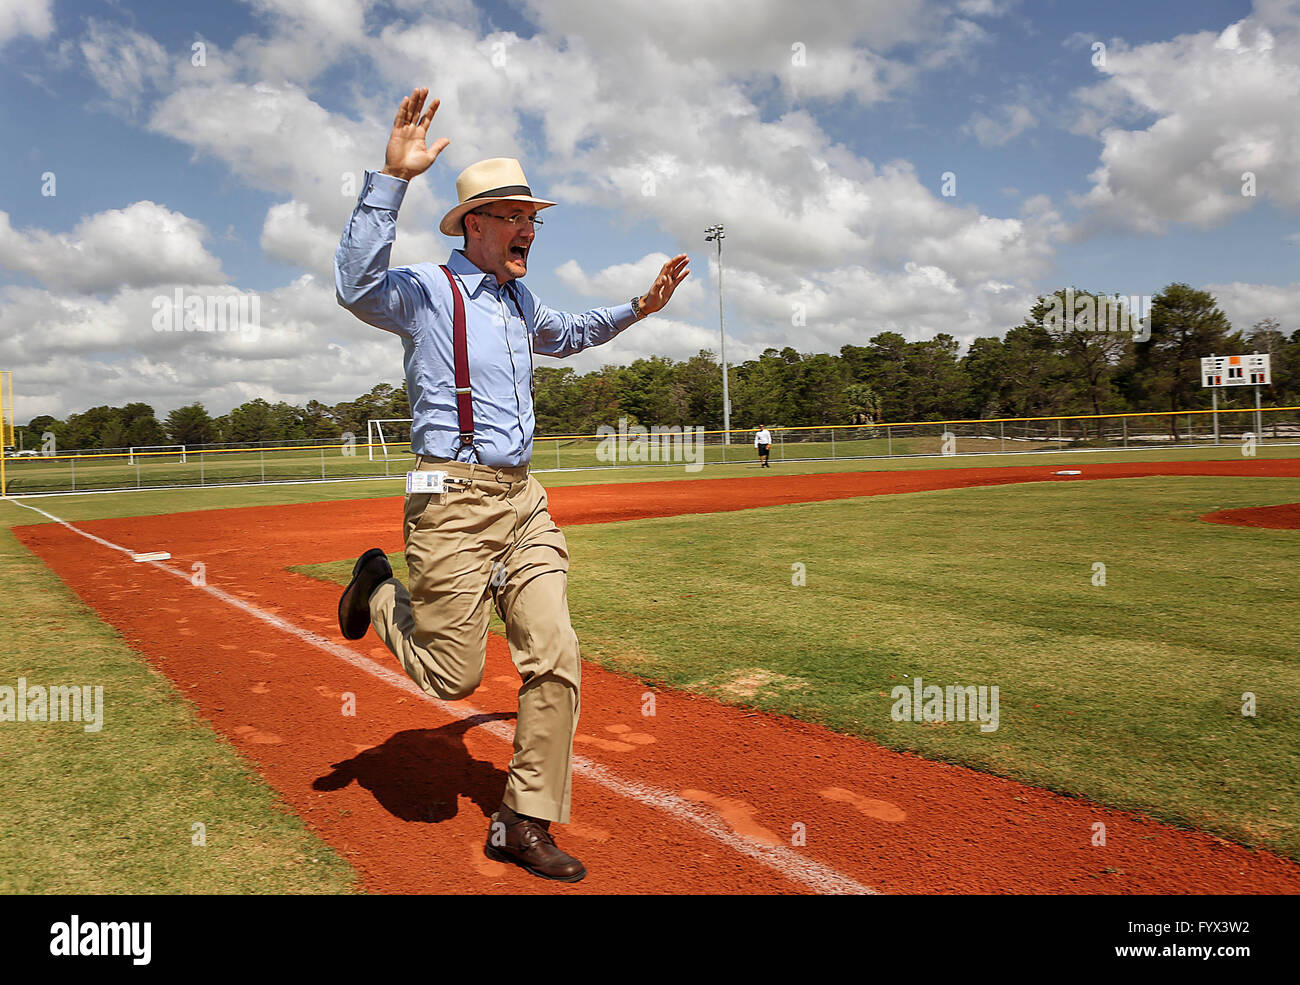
(415, 304)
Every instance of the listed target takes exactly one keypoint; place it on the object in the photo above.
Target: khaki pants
(492, 541)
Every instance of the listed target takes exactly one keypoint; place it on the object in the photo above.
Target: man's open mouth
(520, 253)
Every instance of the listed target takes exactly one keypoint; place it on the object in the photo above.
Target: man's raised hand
(407, 155)
(673, 273)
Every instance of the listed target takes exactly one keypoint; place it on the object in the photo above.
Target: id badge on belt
(426, 481)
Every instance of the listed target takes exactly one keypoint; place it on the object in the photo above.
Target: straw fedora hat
(498, 179)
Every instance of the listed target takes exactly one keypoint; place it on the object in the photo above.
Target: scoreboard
(1252, 369)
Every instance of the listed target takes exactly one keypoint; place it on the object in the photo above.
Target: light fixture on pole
(715, 234)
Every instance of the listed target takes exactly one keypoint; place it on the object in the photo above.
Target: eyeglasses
(515, 220)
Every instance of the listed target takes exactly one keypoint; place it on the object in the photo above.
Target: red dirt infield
(1284, 517)
(403, 790)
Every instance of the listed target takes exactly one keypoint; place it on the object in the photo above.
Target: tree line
(1055, 363)
(252, 422)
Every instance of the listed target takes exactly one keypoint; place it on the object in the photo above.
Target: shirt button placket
(514, 375)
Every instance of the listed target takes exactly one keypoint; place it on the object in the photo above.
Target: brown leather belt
(472, 470)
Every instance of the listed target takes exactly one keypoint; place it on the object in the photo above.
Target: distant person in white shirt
(763, 442)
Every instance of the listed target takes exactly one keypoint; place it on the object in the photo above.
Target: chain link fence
(325, 460)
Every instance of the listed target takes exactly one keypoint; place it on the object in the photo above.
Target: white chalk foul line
(785, 861)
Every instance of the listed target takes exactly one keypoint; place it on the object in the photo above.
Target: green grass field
(1128, 694)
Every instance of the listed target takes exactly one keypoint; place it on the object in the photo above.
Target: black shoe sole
(357, 569)
(499, 856)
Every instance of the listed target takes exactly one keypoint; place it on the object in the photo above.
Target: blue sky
(827, 171)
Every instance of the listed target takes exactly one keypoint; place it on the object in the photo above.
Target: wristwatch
(636, 308)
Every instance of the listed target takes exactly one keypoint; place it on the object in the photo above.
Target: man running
(477, 528)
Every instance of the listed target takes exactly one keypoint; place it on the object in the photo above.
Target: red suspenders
(465, 393)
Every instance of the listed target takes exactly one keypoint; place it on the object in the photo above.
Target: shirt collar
(469, 274)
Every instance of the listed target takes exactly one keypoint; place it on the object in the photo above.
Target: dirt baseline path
(404, 788)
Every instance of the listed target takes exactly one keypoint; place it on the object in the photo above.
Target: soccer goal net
(156, 453)
(390, 434)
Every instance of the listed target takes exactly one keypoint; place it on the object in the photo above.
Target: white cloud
(72, 353)
(25, 18)
(817, 311)
(842, 71)
(124, 63)
(291, 234)
(1222, 105)
(782, 186)
(307, 36)
(1009, 123)
(273, 136)
(1246, 304)
(865, 246)
(288, 234)
(624, 280)
(985, 8)
(754, 42)
(830, 308)
(660, 335)
(141, 245)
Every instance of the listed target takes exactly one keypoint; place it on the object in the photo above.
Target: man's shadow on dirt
(418, 774)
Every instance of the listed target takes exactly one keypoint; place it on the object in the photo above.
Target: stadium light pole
(711, 235)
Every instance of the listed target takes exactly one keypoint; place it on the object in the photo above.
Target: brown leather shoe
(527, 842)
